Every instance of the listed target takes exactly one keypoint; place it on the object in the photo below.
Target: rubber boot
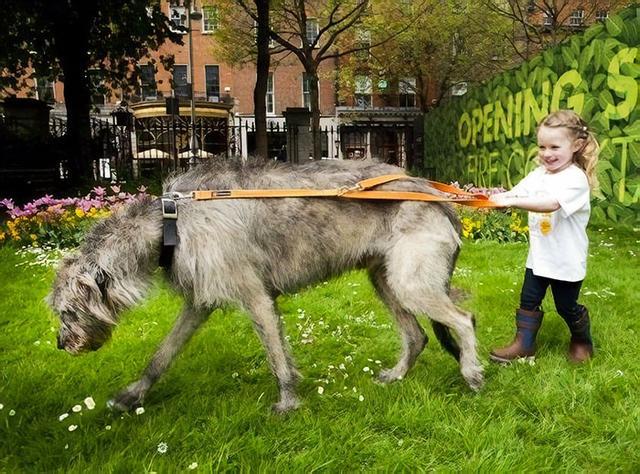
(581, 345)
(524, 343)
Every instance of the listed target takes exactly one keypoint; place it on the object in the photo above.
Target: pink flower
(8, 204)
(99, 191)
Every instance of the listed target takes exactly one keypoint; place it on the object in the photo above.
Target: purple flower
(99, 191)
(7, 204)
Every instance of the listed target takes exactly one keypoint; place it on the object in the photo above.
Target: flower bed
(502, 225)
(59, 222)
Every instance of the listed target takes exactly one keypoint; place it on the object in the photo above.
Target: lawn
(212, 409)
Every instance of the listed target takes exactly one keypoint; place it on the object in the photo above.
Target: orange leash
(361, 190)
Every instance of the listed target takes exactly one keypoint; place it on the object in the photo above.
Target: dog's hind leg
(418, 273)
(268, 325)
(413, 337)
(189, 320)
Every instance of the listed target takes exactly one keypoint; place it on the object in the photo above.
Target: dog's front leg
(189, 320)
(269, 327)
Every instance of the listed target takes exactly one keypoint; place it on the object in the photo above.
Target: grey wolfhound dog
(248, 251)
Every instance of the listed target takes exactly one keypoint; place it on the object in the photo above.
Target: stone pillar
(299, 137)
(28, 118)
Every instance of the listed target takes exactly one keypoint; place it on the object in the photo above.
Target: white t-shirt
(558, 240)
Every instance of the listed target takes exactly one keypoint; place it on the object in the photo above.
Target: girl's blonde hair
(587, 156)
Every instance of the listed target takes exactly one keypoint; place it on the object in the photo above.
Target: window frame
(407, 90)
(577, 17)
(144, 85)
(363, 89)
(306, 94)
(96, 72)
(270, 99)
(216, 19)
(186, 84)
(49, 84)
(181, 10)
(312, 21)
(209, 67)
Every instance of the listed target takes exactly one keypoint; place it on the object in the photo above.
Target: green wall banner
(487, 137)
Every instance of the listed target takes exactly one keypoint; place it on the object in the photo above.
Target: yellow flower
(34, 237)
(79, 212)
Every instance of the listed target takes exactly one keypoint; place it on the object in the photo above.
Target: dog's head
(79, 297)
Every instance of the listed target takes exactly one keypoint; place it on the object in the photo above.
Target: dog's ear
(94, 280)
(101, 280)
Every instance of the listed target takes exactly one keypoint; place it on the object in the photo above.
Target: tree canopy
(448, 43)
(64, 39)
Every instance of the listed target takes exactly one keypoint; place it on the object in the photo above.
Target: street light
(193, 142)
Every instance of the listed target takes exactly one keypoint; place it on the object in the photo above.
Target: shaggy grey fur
(249, 251)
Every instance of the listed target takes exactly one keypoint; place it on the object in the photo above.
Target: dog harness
(361, 190)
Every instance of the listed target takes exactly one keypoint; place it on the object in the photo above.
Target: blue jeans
(565, 295)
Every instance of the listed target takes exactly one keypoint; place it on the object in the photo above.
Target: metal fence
(155, 146)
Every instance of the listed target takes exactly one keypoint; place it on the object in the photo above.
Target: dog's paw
(125, 401)
(389, 376)
(474, 378)
(285, 406)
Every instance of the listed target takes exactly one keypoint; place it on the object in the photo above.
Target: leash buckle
(169, 208)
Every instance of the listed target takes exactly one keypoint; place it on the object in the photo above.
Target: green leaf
(634, 153)
(612, 214)
(598, 53)
(548, 57)
(569, 58)
(598, 215)
(585, 58)
(598, 80)
(630, 69)
(592, 32)
(605, 98)
(614, 25)
(633, 130)
(603, 166)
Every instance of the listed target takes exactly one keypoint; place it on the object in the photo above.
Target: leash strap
(169, 229)
(360, 190)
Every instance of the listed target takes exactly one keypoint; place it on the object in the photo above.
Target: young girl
(556, 194)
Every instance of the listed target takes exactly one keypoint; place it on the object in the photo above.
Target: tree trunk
(262, 77)
(73, 40)
(312, 74)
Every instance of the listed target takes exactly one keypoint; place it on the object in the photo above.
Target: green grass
(213, 406)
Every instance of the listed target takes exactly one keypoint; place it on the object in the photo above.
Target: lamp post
(192, 14)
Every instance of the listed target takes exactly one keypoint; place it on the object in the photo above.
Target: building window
(96, 84)
(271, 107)
(212, 83)
(306, 91)
(148, 87)
(363, 91)
(178, 18)
(407, 92)
(180, 81)
(602, 15)
(312, 30)
(44, 90)
(210, 18)
(576, 18)
(547, 20)
(363, 40)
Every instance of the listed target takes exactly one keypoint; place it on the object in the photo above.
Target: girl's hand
(501, 199)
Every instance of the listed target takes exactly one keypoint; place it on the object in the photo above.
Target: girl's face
(556, 148)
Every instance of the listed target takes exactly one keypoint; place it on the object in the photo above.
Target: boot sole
(503, 361)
